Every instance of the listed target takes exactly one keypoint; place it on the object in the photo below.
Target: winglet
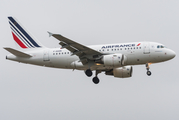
(50, 34)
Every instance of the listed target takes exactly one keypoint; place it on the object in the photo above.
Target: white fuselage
(136, 53)
(113, 59)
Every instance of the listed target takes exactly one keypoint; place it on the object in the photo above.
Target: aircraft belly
(62, 61)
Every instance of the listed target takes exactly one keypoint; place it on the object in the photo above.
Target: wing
(76, 48)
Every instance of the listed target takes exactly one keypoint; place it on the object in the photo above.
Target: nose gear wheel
(147, 67)
(149, 73)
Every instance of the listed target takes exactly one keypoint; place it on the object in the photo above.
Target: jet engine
(121, 72)
(113, 60)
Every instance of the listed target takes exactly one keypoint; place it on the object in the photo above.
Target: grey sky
(30, 92)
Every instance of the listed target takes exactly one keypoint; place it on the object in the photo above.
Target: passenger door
(146, 48)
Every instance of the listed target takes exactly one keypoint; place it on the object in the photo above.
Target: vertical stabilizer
(23, 39)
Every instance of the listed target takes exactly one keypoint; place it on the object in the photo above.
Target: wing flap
(17, 53)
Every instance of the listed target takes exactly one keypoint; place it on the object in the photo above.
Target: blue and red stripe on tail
(21, 37)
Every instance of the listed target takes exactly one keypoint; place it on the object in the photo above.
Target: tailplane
(17, 53)
(21, 36)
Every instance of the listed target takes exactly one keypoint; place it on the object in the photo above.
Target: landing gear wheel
(95, 80)
(147, 67)
(88, 72)
(149, 73)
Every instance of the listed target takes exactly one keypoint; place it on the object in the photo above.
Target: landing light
(149, 63)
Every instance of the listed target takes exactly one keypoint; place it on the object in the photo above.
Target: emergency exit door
(46, 55)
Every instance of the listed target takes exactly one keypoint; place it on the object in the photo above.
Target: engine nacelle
(114, 60)
(122, 72)
(77, 65)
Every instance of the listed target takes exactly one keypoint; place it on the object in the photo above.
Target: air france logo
(138, 44)
(117, 46)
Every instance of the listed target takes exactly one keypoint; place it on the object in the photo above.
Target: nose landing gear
(149, 73)
(147, 67)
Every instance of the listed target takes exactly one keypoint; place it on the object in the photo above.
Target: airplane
(112, 59)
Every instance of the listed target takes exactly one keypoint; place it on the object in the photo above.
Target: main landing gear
(96, 79)
(89, 73)
(147, 67)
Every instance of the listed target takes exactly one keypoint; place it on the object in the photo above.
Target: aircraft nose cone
(172, 54)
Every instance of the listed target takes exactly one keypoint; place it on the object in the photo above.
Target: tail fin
(21, 36)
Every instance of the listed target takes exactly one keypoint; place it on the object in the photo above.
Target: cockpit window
(161, 46)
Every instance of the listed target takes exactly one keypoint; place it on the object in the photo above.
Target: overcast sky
(29, 92)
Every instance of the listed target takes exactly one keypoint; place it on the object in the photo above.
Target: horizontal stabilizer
(17, 53)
